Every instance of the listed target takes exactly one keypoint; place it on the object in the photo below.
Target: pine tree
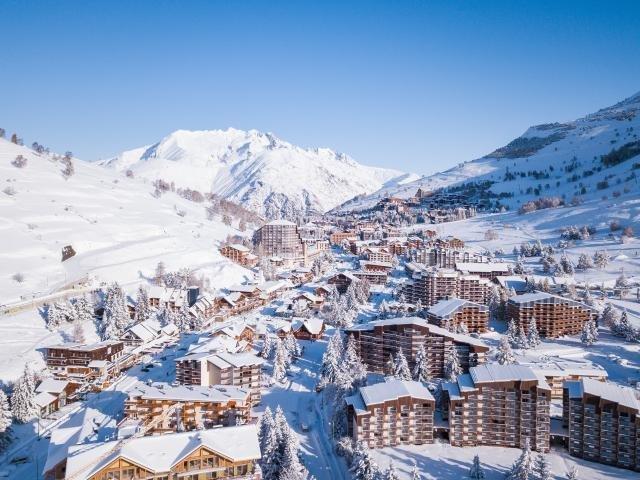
(390, 365)
(292, 345)
(289, 446)
(266, 424)
(23, 403)
(271, 460)
(390, 473)
(5, 421)
(331, 358)
(421, 372)
(572, 473)
(584, 262)
(84, 310)
(115, 318)
(533, 338)
(589, 333)
(505, 356)
(476, 472)
(452, 366)
(522, 468)
(363, 466)
(512, 332)
(183, 318)
(78, 333)
(54, 317)
(601, 259)
(462, 329)
(401, 367)
(267, 347)
(143, 310)
(521, 340)
(542, 468)
(494, 303)
(415, 473)
(280, 362)
(351, 364)
(565, 267)
(623, 285)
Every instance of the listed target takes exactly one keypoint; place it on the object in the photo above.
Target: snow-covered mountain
(119, 230)
(592, 157)
(258, 170)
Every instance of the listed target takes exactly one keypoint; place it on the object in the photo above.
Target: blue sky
(418, 86)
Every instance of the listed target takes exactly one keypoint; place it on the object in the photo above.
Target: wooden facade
(456, 312)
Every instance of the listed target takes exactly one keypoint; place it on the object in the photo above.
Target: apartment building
(498, 405)
(371, 276)
(391, 413)
(430, 285)
(281, 239)
(557, 371)
(242, 370)
(455, 312)
(194, 407)
(378, 340)
(336, 238)
(240, 254)
(489, 270)
(603, 420)
(226, 453)
(555, 316)
(378, 254)
(80, 361)
(443, 257)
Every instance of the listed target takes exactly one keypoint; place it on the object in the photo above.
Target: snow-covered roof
(167, 294)
(147, 330)
(52, 385)
(447, 308)
(566, 368)
(314, 325)
(611, 392)
(239, 247)
(242, 359)
(83, 347)
(281, 223)
(98, 364)
(374, 263)
(43, 399)
(392, 390)
(189, 393)
(505, 373)
(482, 267)
(547, 298)
(518, 283)
(457, 337)
(159, 453)
(242, 288)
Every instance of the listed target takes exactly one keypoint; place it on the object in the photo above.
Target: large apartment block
(378, 340)
(391, 413)
(455, 312)
(555, 316)
(443, 257)
(499, 405)
(79, 361)
(225, 453)
(281, 239)
(242, 370)
(603, 421)
(167, 408)
(430, 285)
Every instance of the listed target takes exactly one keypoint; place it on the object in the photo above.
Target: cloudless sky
(415, 85)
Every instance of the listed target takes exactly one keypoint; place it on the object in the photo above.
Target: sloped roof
(392, 390)
(196, 393)
(447, 308)
(611, 392)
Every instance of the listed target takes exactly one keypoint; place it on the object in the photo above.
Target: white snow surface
(258, 170)
(585, 139)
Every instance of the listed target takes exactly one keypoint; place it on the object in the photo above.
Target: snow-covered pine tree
(572, 473)
(115, 318)
(452, 367)
(292, 345)
(390, 473)
(494, 304)
(521, 339)
(512, 332)
(331, 359)
(364, 466)
(589, 333)
(267, 346)
(584, 262)
(265, 425)
(623, 285)
(415, 473)
(280, 362)
(23, 404)
(390, 365)
(351, 364)
(271, 460)
(401, 367)
(476, 472)
(143, 310)
(183, 318)
(462, 329)
(542, 468)
(289, 446)
(533, 338)
(523, 467)
(421, 372)
(54, 317)
(5, 421)
(504, 355)
(84, 310)
(565, 267)
(384, 309)
(601, 259)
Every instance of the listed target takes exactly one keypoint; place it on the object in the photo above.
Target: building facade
(281, 239)
(455, 312)
(603, 421)
(377, 341)
(498, 405)
(391, 413)
(555, 316)
(431, 285)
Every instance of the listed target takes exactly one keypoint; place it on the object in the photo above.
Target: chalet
(235, 331)
(342, 281)
(52, 394)
(372, 276)
(172, 298)
(311, 328)
(374, 266)
(313, 301)
(147, 331)
(225, 453)
(322, 291)
(239, 254)
(81, 361)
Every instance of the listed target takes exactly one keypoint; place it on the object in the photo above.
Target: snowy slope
(118, 229)
(565, 157)
(257, 170)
